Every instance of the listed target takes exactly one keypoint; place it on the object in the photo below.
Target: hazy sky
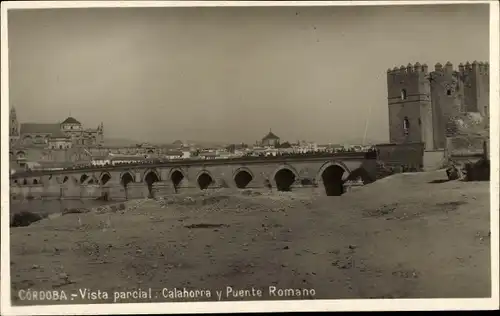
(229, 74)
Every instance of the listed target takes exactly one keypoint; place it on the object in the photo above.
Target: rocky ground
(405, 236)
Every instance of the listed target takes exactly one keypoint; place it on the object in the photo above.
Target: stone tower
(13, 126)
(410, 111)
(454, 93)
(422, 105)
(100, 133)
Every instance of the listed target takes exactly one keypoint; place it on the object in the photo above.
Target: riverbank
(405, 236)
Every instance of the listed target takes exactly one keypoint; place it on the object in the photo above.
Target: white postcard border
(246, 306)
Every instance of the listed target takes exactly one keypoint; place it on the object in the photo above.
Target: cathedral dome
(71, 120)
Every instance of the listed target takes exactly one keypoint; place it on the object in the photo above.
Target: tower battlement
(408, 69)
(482, 68)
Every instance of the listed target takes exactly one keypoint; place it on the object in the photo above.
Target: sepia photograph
(269, 154)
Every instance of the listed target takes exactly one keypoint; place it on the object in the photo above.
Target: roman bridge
(327, 172)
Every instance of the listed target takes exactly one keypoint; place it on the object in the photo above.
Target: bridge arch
(126, 177)
(176, 175)
(204, 179)
(83, 177)
(333, 175)
(284, 176)
(242, 177)
(93, 180)
(65, 179)
(104, 177)
(149, 172)
(360, 173)
(151, 176)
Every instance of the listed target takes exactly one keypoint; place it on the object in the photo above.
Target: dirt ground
(400, 237)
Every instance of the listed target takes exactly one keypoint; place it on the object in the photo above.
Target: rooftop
(42, 128)
(71, 120)
(127, 158)
(174, 153)
(270, 135)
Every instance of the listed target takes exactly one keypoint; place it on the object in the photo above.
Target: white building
(208, 155)
(122, 159)
(174, 154)
(100, 161)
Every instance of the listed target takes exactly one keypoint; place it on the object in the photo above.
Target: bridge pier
(162, 188)
(136, 191)
(183, 184)
(70, 190)
(115, 192)
(51, 191)
(90, 191)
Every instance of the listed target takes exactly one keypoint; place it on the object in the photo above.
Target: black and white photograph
(276, 155)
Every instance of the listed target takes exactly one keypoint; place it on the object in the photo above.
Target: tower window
(419, 122)
(448, 92)
(403, 94)
(406, 125)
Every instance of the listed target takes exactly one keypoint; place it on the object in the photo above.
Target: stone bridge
(327, 173)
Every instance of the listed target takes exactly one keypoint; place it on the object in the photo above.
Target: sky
(229, 74)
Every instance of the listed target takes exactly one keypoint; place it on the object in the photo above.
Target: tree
(231, 148)
(196, 153)
(284, 145)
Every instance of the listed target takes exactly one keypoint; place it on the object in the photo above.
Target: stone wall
(409, 156)
(434, 160)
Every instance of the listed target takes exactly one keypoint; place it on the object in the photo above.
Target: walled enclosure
(137, 182)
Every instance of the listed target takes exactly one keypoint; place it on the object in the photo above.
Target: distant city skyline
(230, 74)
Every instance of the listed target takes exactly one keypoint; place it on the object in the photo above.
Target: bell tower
(100, 133)
(13, 126)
